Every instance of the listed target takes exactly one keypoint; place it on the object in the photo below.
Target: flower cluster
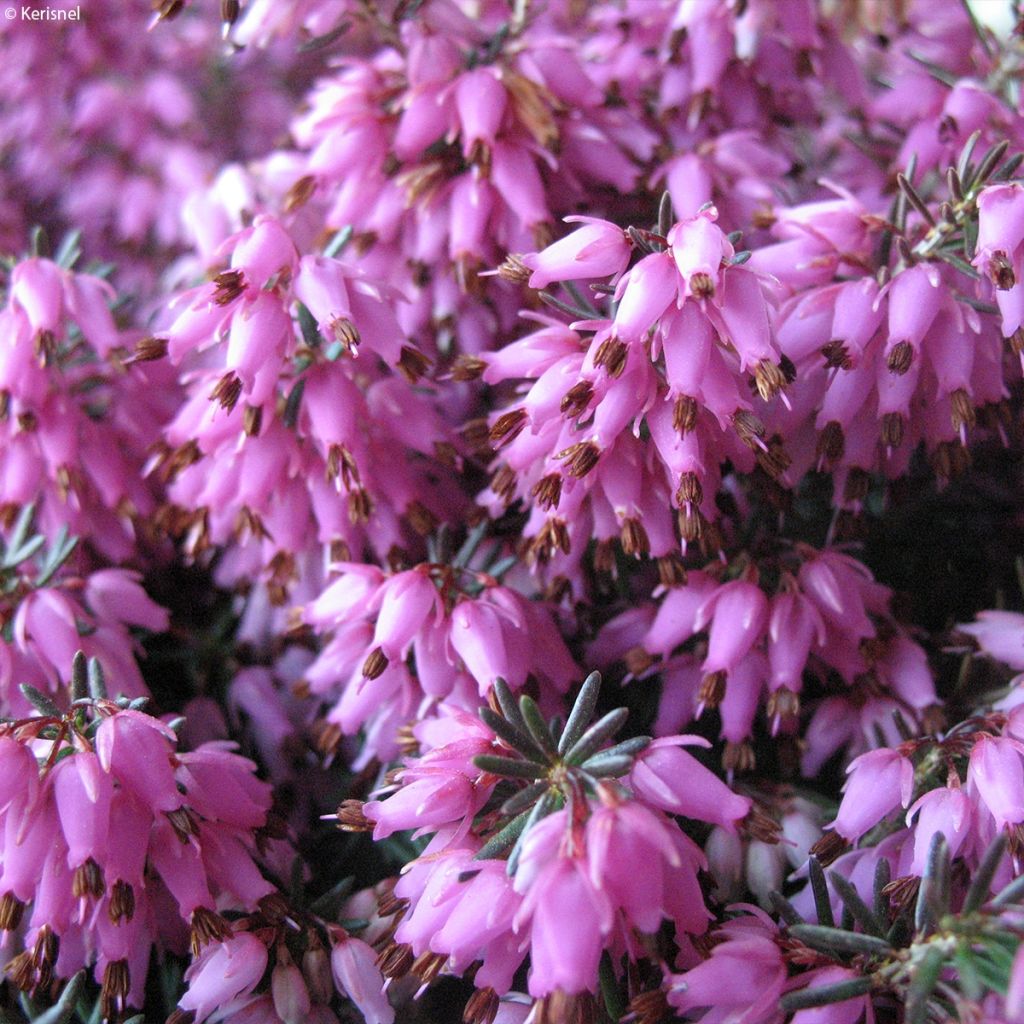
(116, 841)
(528, 821)
(397, 358)
(462, 629)
(746, 635)
(287, 362)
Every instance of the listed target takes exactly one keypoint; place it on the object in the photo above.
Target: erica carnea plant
(510, 512)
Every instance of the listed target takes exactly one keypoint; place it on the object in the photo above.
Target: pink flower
(225, 971)
(675, 781)
(598, 249)
(878, 782)
(996, 768)
(355, 970)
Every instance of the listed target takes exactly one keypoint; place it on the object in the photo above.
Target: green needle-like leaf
(509, 767)
(511, 735)
(509, 707)
(861, 912)
(922, 984)
(825, 995)
(582, 712)
(501, 841)
(64, 1008)
(819, 888)
(590, 742)
(525, 798)
(785, 909)
(536, 726)
(883, 875)
(835, 940)
(933, 896)
(39, 701)
(608, 766)
(981, 883)
(97, 680)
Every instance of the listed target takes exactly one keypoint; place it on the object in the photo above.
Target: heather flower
(124, 822)
(744, 974)
(567, 449)
(294, 436)
(222, 973)
(355, 971)
(615, 856)
(720, 640)
(999, 634)
(463, 629)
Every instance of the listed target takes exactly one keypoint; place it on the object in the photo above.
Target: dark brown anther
(712, 689)
(87, 881)
(229, 11)
(207, 926)
(749, 428)
(902, 892)
(738, 757)
(635, 542)
(836, 354)
(783, 703)
(122, 902)
(148, 350)
(168, 9)
(360, 505)
(892, 429)
(412, 364)
(702, 286)
(774, 460)
(648, 1007)
(580, 458)
(689, 491)
(577, 398)
(420, 518)
(691, 523)
(481, 1007)
(830, 846)
(351, 817)
(11, 911)
(684, 414)
(961, 409)
(901, 358)
(376, 662)
(671, 571)
(637, 661)
(1000, 271)
(300, 193)
(468, 367)
(327, 737)
(858, 484)
(548, 490)
(477, 434)
(560, 1007)
(28, 422)
(184, 823)
(229, 285)
(252, 420)
(611, 354)
(428, 966)
(831, 442)
(503, 483)
(227, 391)
(347, 333)
(514, 270)
(115, 989)
(769, 378)
(508, 426)
(395, 960)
